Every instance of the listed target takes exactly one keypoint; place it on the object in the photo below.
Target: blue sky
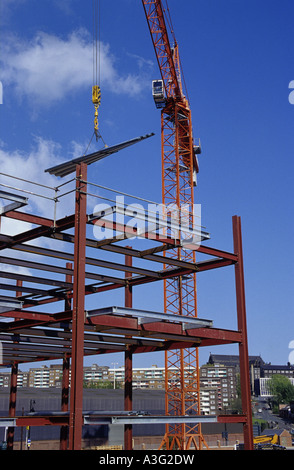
(238, 62)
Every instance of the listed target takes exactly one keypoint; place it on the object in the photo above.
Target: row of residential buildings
(260, 372)
(218, 379)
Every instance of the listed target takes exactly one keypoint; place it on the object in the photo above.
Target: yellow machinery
(267, 442)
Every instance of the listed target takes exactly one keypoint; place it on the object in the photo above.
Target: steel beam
(242, 327)
(40, 231)
(146, 316)
(90, 261)
(18, 201)
(128, 390)
(34, 279)
(68, 167)
(65, 400)
(12, 403)
(137, 418)
(76, 394)
(117, 282)
(33, 291)
(30, 218)
(9, 303)
(108, 245)
(232, 419)
(98, 418)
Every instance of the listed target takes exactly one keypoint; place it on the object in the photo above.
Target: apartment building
(208, 400)
(143, 378)
(256, 363)
(45, 377)
(4, 379)
(22, 378)
(218, 387)
(50, 376)
(217, 383)
(95, 373)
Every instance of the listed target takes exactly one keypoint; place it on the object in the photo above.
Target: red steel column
(78, 314)
(64, 401)
(13, 389)
(12, 404)
(242, 327)
(65, 373)
(128, 432)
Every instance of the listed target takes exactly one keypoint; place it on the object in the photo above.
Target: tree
(281, 389)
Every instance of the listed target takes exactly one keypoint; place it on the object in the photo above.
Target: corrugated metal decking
(68, 167)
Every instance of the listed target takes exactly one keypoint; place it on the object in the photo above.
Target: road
(274, 421)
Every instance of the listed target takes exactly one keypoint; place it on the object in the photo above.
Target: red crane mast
(179, 169)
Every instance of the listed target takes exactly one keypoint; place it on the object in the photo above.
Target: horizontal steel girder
(94, 418)
(146, 316)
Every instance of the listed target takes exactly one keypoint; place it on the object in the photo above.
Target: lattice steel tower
(179, 170)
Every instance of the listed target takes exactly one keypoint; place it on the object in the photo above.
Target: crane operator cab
(158, 93)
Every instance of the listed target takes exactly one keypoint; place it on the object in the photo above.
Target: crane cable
(96, 92)
(172, 31)
(169, 20)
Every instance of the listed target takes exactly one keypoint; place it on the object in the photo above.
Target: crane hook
(96, 99)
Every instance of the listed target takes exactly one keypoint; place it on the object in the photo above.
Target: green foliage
(281, 389)
(236, 405)
(238, 385)
(262, 423)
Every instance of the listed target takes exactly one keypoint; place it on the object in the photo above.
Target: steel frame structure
(34, 327)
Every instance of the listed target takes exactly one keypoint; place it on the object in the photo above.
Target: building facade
(218, 379)
(218, 387)
(94, 373)
(262, 385)
(217, 383)
(22, 379)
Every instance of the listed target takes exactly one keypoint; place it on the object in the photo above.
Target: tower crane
(179, 177)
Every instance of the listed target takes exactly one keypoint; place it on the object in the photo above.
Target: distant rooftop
(232, 360)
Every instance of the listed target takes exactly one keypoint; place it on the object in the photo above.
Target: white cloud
(49, 68)
(29, 166)
(19, 171)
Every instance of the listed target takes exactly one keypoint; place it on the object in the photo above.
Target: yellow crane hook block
(96, 99)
